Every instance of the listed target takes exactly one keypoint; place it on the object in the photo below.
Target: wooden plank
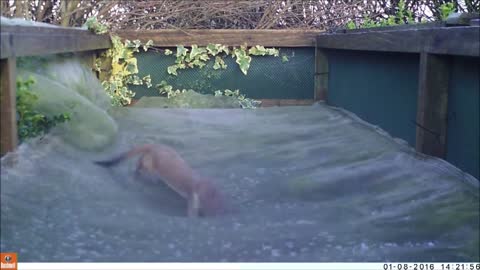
(461, 18)
(432, 105)
(230, 37)
(27, 41)
(321, 75)
(462, 40)
(270, 102)
(286, 102)
(8, 120)
(395, 27)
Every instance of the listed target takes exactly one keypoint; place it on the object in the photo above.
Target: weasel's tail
(111, 162)
(117, 159)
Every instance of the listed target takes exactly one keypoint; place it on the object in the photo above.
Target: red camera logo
(8, 261)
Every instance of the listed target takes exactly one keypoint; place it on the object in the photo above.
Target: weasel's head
(212, 202)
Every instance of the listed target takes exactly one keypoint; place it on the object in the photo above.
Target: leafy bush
(402, 16)
(30, 122)
(95, 26)
(445, 10)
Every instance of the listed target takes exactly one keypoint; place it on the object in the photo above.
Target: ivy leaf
(203, 57)
(135, 45)
(226, 50)
(147, 45)
(147, 80)
(273, 51)
(219, 63)
(197, 51)
(135, 80)
(228, 92)
(243, 60)
(180, 59)
(257, 50)
(181, 51)
(284, 58)
(168, 52)
(215, 49)
(172, 70)
(244, 63)
(212, 49)
(131, 67)
(198, 63)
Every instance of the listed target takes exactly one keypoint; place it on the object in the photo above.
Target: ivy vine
(198, 56)
(122, 70)
(244, 102)
(120, 65)
(401, 16)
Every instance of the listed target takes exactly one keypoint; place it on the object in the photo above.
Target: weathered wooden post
(8, 123)
(431, 132)
(321, 74)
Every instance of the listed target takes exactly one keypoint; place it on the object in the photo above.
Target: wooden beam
(28, 40)
(321, 75)
(462, 40)
(230, 37)
(432, 105)
(8, 118)
(269, 102)
(393, 27)
(286, 102)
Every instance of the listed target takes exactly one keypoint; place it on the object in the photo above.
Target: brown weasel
(163, 163)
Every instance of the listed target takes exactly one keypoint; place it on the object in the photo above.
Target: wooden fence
(435, 45)
(19, 41)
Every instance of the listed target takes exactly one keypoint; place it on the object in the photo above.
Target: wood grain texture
(432, 107)
(233, 37)
(8, 117)
(28, 41)
(321, 75)
(462, 40)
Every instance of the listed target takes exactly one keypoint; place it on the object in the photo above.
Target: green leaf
(197, 51)
(257, 50)
(181, 51)
(243, 60)
(95, 26)
(147, 45)
(135, 80)
(273, 51)
(172, 70)
(284, 58)
(350, 25)
(131, 67)
(219, 63)
(168, 52)
(147, 80)
(198, 63)
(203, 57)
(212, 49)
(215, 49)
